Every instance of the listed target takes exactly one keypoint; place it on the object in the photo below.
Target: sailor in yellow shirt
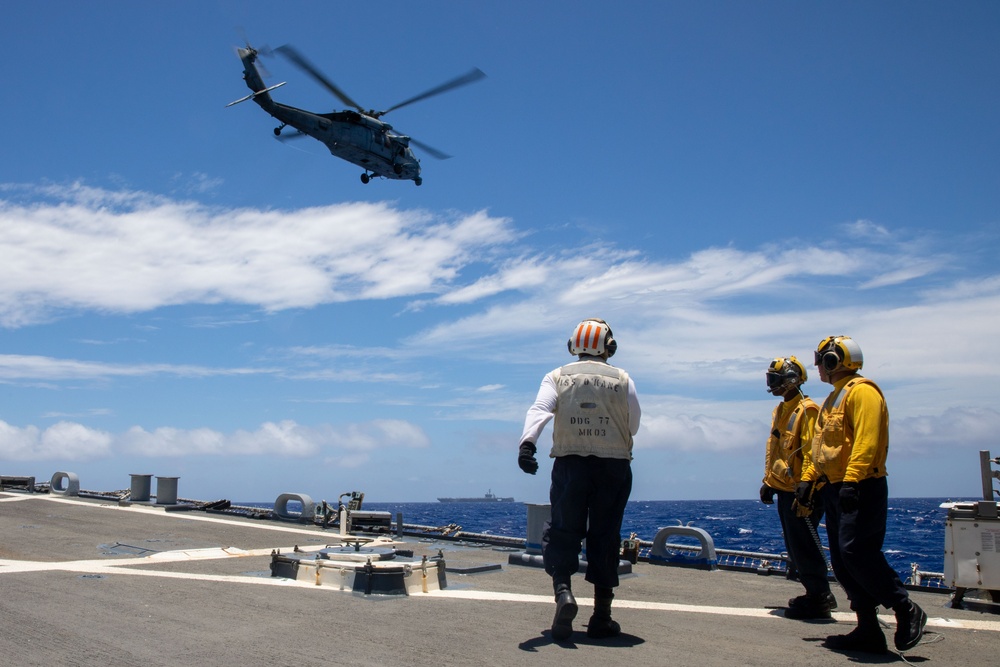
(788, 447)
(849, 452)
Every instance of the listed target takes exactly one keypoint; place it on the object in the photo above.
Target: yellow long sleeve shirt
(851, 443)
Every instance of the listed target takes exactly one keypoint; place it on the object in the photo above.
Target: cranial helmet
(592, 337)
(836, 351)
(784, 375)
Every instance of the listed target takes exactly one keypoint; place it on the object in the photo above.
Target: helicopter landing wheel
(365, 178)
(418, 181)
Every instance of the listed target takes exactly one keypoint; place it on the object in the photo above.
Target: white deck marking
(126, 566)
(160, 511)
(753, 612)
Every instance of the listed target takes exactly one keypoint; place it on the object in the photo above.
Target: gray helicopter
(358, 136)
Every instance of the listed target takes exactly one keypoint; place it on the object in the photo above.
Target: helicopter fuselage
(350, 135)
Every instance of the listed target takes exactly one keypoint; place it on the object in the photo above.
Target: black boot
(566, 608)
(910, 622)
(866, 638)
(601, 625)
(811, 606)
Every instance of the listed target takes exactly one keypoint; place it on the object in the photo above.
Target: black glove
(849, 497)
(766, 494)
(526, 458)
(803, 494)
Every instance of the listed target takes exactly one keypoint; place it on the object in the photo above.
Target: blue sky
(724, 182)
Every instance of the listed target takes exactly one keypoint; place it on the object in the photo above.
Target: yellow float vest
(834, 442)
(783, 461)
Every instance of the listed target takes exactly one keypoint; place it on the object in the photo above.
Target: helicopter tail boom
(253, 78)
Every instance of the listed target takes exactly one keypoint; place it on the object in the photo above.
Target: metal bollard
(141, 490)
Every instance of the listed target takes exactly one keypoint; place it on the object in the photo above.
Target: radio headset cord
(804, 511)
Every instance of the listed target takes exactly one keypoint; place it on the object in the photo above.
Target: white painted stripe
(753, 612)
(185, 515)
(122, 566)
(14, 499)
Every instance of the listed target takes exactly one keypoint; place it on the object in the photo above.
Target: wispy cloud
(62, 441)
(28, 367)
(75, 442)
(81, 248)
(700, 326)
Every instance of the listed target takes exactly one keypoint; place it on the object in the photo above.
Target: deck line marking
(754, 612)
(123, 566)
(160, 511)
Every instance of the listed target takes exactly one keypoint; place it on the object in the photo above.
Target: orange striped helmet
(592, 337)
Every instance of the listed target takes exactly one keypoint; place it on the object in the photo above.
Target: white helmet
(834, 351)
(592, 337)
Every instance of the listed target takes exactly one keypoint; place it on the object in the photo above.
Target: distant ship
(488, 498)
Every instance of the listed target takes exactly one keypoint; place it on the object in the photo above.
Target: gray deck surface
(66, 598)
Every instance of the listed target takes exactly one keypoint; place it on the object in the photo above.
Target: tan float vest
(831, 449)
(784, 447)
(591, 416)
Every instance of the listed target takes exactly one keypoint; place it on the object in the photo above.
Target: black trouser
(588, 497)
(802, 544)
(856, 546)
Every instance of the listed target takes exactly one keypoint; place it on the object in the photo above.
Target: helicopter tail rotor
(263, 50)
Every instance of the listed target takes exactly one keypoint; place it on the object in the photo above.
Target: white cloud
(962, 429)
(61, 441)
(93, 249)
(15, 367)
(902, 275)
(700, 326)
(867, 230)
(72, 441)
(703, 433)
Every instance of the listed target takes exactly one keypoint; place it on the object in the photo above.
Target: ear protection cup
(830, 360)
(834, 351)
(784, 374)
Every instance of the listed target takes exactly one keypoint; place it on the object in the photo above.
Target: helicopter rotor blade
(430, 150)
(299, 60)
(473, 75)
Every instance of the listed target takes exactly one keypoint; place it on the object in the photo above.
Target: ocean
(914, 530)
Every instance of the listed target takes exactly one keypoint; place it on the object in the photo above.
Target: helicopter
(355, 135)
